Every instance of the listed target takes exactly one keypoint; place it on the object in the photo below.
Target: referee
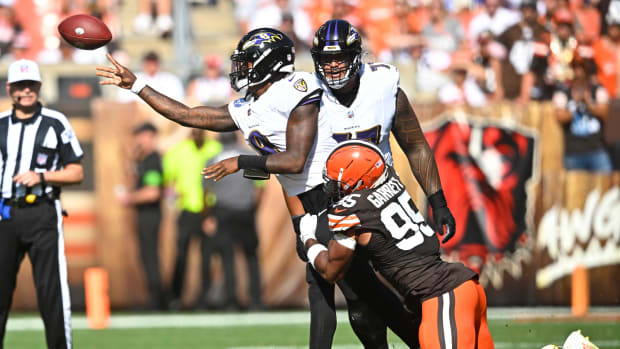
(39, 152)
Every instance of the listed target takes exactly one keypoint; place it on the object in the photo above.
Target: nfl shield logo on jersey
(350, 114)
(41, 159)
(300, 85)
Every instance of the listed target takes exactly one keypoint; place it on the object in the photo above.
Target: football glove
(442, 215)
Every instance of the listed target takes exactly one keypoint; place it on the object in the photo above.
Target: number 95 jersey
(263, 122)
(371, 114)
(403, 248)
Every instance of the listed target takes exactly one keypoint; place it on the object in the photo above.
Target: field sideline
(518, 328)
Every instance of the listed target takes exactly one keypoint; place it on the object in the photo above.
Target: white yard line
(34, 323)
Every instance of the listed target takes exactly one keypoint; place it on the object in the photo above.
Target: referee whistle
(30, 198)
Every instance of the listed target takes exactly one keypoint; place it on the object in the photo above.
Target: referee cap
(23, 69)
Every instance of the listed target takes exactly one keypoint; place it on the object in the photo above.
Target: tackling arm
(331, 263)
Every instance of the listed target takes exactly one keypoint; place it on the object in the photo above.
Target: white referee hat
(23, 69)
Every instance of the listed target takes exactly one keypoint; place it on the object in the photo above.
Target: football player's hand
(307, 227)
(442, 216)
(119, 75)
(221, 169)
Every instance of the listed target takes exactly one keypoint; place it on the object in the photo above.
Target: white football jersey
(263, 124)
(371, 114)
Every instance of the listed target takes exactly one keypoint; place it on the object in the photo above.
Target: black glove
(301, 249)
(442, 215)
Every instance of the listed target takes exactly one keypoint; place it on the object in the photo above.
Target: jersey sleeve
(386, 77)
(69, 148)
(237, 109)
(340, 222)
(343, 216)
(299, 89)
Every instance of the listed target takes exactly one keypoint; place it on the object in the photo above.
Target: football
(84, 32)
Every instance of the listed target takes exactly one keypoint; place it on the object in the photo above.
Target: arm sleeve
(69, 149)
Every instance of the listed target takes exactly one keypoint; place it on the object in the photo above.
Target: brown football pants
(456, 319)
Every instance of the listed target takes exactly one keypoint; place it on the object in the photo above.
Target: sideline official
(39, 152)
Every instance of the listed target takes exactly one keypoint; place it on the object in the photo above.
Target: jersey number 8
(412, 221)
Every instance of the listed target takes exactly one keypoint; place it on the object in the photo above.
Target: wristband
(314, 251)
(138, 85)
(42, 178)
(438, 200)
(252, 162)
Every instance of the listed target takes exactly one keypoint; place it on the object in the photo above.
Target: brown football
(84, 32)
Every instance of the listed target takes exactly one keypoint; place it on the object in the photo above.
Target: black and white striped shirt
(44, 142)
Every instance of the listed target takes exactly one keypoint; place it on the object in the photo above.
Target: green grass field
(280, 330)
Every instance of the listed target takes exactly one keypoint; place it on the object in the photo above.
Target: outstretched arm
(301, 131)
(411, 139)
(208, 118)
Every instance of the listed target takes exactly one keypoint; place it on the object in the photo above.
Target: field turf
(281, 330)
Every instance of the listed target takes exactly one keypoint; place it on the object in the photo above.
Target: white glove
(307, 227)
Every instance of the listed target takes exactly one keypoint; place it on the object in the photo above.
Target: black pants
(37, 230)
(238, 228)
(190, 224)
(372, 306)
(149, 220)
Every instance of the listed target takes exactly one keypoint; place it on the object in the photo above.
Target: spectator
(486, 67)
(212, 87)
(7, 28)
(494, 18)
(582, 111)
(442, 38)
(145, 197)
(409, 22)
(563, 46)
(144, 20)
(443, 32)
(272, 13)
(236, 199)
(167, 83)
(182, 165)
(527, 47)
(462, 90)
(588, 20)
(606, 51)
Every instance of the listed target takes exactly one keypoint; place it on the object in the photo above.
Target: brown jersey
(403, 248)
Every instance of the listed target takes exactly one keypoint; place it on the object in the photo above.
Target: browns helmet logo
(485, 169)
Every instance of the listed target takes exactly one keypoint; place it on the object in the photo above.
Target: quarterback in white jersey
(371, 115)
(263, 124)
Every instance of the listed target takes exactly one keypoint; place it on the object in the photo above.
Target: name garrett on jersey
(385, 192)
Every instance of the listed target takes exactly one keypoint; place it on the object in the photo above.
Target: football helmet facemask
(337, 52)
(354, 165)
(259, 55)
